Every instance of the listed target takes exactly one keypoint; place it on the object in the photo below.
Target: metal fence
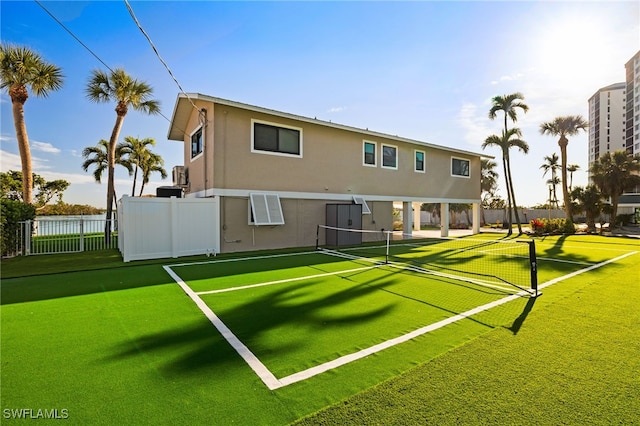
(64, 235)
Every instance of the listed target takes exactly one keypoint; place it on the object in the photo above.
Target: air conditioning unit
(179, 176)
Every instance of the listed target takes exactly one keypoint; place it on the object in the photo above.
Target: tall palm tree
(571, 168)
(613, 173)
(22, 69)
(151, 163)
(509, 104)
(127, 92)
(562, 127)
(509, 139)
(97, 156)
(551, 165)
(138, 149)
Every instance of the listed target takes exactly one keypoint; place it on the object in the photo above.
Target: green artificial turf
(116, 343)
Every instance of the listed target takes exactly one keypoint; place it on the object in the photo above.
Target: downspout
(203, 123)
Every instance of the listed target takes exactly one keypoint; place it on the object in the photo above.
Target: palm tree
(151, 163)
(138, 149)
(509, 105)
(572, 168)
(127, 92)
(590, 200)
(551, 164)
(569, 125)
(509, 139)
(613, 173)
(97, 156)
(553, 183)
(22, 69)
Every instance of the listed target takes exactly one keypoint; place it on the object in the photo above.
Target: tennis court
(294, 316)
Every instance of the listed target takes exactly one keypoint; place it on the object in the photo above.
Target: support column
(416, 216)
(476, 218)
(406, 218)
(444, 219)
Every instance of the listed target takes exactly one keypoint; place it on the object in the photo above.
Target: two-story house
(275, 172)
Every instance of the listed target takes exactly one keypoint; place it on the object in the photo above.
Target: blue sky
(424, 70)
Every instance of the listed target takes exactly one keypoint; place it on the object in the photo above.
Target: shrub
(552, 226)
(11, 213)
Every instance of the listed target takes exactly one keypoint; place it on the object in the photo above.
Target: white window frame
(199, 154)
(460, 159)
(415, 161)
(382, 147)
(375, 153)
(284, 126)
(265, 209)
(365, 207)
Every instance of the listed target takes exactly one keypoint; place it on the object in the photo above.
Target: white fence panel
(154, 228)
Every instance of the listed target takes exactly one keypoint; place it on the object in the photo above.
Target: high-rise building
(632, 131)
(607, 120)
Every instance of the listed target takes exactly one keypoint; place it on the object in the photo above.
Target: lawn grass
(121, 343)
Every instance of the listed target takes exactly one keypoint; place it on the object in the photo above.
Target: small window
(390, 157)
(419, 161)
(277, 139)
(265, 209)
(196, 143)
(459, 167)
(369, 154)
(363, 203)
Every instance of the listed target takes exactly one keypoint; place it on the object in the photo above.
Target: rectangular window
(459, 167)
(271, 138)
(196, 143)
(265, 209)
(369, 154)
(389, 157)
(419, 161)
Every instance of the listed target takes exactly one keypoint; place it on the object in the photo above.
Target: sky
(424, 70)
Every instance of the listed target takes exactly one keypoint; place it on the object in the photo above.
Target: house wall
(331, 163)
(302, 216)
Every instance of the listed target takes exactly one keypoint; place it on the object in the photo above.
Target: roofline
(185, 97)
(614, 86)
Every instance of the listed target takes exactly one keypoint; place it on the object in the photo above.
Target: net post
(386, 256)
(533, 262)
(317, 237)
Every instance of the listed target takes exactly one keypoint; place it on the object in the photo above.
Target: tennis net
(507, 264)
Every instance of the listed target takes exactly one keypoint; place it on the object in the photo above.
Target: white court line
(274, 383)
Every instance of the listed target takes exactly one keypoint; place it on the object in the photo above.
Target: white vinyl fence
(154, 228)
(63, 234)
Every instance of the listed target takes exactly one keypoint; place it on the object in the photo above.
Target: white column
(476, 218)
(416, 216)
(444, 219)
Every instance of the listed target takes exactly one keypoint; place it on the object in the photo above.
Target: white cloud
(475, 123)
(336, 109)
(44, 147)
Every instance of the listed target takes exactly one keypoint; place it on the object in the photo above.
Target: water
(62, 225)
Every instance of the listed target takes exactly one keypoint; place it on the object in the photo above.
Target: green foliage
(11, 213)
(11, 188)
(552, 226)
(61, 209)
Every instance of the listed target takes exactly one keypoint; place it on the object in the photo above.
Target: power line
(158, 55)
(72, 35)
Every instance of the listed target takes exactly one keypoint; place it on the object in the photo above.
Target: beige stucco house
(274, 172)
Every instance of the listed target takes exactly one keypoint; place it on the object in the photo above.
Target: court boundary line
(273, 383)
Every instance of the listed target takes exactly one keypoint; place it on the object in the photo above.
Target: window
(389, 157)
(265, 209)
(363, 203)
(276, 139)
(369, 154)
(196, 143)
(459, 167)
(419, 161)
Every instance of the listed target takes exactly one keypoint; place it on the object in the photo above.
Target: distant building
(614, 125)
